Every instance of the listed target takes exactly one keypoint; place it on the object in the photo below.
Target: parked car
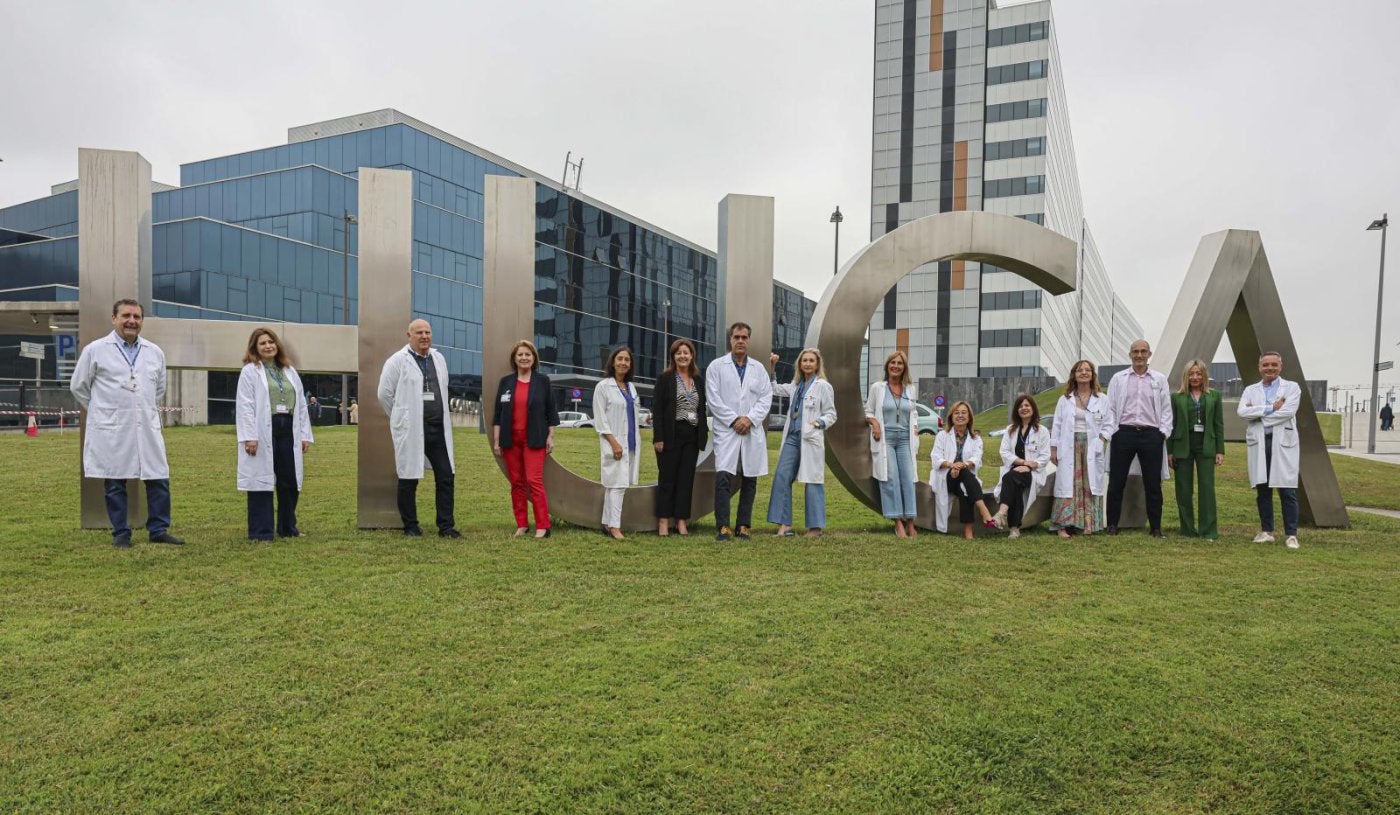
(646, 417)
(573, 418)
(930, 420)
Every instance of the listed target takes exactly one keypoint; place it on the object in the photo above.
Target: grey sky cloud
(1188, 117)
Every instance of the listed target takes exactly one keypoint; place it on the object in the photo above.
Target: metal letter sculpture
(838, 325)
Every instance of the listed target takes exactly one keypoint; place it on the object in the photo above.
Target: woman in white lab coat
(894, 443)
(274, 430)
(617, 417)
(1025, 459)
(802, 459)
(957, 456)
(1082, 427)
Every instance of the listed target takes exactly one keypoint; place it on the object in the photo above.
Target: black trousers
(435, 448)
(968, 492)
(1013, 494)
(748, 486)
(1146, 444)
(284, 468)
(676, 472)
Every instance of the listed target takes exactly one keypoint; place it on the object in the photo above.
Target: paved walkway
(1389, 513)
(1384, 458)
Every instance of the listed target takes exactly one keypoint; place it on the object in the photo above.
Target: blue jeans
(897, 492)
(780, 501)
(1264, 497)
(157, 505)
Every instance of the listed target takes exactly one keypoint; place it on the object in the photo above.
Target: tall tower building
(970, 114)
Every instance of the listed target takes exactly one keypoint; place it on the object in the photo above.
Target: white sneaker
(1292, 542)
(1015, 533)
(1264, 537)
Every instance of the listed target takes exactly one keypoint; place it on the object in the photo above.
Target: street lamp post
(837, 218)
(1382, 224)
(350, 220)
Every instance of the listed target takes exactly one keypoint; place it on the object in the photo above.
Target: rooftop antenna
(576, 166)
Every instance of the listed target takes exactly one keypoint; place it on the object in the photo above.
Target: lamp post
(1382, 224)
(350, 220)
(837, 218)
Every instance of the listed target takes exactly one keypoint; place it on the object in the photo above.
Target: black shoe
(122, 541)
(742, 534)
(449, 533)
(723, 535)
(1158, 534)
(166, 537)
(413, 531)
(1112, 530)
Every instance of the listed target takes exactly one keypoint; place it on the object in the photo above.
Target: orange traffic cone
(33, 429)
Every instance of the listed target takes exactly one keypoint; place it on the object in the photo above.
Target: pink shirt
(1139, 408)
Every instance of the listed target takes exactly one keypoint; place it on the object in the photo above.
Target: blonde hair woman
(803, 457)
(894, 443)
(1196, 448)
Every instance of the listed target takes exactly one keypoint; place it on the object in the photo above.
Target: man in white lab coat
(120, 380)
(413, 392)
(1269, 408)
(739, 395)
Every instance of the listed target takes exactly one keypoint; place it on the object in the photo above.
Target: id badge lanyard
(130, 361)
(423, 368)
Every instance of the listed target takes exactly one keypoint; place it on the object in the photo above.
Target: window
(1012, 34)
(1010, 300)
(1007, 187)
(1033, 217)
(1019, 72)
(1015, 149)
(1011, 338)
(1010, 111)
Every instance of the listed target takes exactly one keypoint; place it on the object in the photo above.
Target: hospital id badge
(280, 408)
(131, 384)
(690, 417)
(1199, 428)
(428, 396)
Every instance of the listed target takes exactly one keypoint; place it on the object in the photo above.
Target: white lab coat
(728, 399)
(879, 450)
(1037, 450)
(818, 404)
(610, 417)
(253, 416)
(1161, 396)
(945, 448)
(123, 438)
(401, 396)
(1283, 423)
(1097, 429)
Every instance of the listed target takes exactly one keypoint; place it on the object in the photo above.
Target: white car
(572, 418)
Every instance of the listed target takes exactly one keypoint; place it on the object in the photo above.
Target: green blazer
(1183, 417)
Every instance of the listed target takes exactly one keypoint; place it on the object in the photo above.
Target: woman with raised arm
(1025, 458)
(894, 443)
(1077, 438)
(957, 456)
(811, 411)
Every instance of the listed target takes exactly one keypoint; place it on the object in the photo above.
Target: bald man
(413, 392)
(1140, 414)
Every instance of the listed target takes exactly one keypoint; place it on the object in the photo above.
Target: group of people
(120, 380)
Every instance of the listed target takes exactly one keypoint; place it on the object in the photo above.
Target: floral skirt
(1083, 510)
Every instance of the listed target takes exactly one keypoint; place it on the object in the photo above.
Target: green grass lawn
(364, 672)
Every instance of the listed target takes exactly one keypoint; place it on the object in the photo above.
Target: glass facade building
(269, 234)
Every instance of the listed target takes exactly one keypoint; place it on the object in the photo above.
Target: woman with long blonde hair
(811, 411)
(1196, 448)
(894, 443)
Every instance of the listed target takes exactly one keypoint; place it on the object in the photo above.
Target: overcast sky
(1189, 116)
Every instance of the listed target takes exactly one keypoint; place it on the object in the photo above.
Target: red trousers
(526, 469)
